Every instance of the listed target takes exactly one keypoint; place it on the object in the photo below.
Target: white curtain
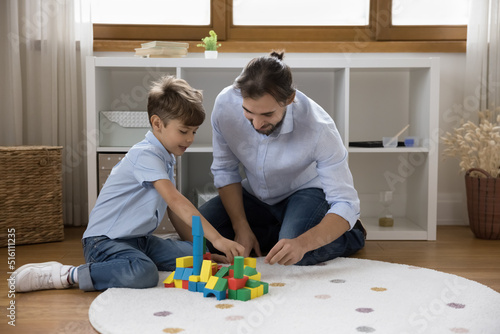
(43, 45)
(482, 88)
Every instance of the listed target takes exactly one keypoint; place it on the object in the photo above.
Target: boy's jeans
(128, 263)
(285, 220)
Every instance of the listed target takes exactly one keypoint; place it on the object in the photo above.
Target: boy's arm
(232, 199)
(184, 209)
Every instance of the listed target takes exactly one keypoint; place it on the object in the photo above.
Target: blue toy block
(200, 286)
(187, 272)
(220, 295)
(193, 286)
(196, 228)
(179, 272)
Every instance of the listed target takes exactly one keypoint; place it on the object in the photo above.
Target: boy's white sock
(72, 274)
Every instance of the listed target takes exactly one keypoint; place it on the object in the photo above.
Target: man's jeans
(128, 263)
(285, 220)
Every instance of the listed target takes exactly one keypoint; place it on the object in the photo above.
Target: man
(297, 203)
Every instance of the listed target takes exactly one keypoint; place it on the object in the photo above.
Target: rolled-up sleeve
(335, 176)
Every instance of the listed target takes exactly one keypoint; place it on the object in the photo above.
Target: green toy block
(249, 271)
(243, 294)
(252, 283)
(231, 294)
(221, 284)
(266, 287)
(238, 266)
(224, 271)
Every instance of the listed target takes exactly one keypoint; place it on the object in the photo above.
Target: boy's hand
(229, 247)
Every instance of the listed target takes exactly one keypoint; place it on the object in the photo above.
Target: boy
(119, 248)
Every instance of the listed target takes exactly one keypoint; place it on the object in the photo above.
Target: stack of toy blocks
(198, 273)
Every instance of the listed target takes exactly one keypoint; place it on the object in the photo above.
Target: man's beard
(270, 127)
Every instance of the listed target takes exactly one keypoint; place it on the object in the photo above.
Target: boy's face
(175, 136)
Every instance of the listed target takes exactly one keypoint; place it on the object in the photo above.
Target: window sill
(317, 47)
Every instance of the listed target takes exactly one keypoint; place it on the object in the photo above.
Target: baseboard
(452, 209)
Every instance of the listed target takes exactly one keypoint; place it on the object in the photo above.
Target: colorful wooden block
(185, 285)
(179, 272)
(251, 262)
(170, 278)
(211, 283)
(192, 286)
(206, 270)
(223, 271)
(184, 262)
(235, 283)
(200, 286)
(194, 278)
(265, 285)
(187, 272)
(221, 284)
(178, 283)
(250, 271)
(255, 277)
(252, 283)
(243, 294)
(253, 292)
(238, 266)
(231, 294)
(220, 295)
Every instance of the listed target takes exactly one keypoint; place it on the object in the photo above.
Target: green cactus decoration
(210, 42)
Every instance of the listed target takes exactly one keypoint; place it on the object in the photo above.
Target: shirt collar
(287, 125)
(150, 137)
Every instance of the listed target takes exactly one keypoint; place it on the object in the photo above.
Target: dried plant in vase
(477, 146)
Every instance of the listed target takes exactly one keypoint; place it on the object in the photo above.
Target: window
(301, 13)
(255, 25)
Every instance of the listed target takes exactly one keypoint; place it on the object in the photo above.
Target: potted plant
(210, 44)
(477, 146)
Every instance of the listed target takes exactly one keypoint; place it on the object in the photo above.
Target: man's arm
(291, 251)
(184, 210)
(232, 199)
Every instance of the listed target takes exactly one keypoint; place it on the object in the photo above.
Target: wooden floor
(456, 251)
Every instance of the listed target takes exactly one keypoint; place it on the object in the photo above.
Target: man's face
(265, 113)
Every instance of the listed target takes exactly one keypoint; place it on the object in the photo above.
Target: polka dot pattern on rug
(277, 284)
(162, 313)
(235, 318)
(459, 330)
(378, 289)
(456, 305)
(337, 281)
(173, 330)
(364, 310)
(224, 306)
(365, 329)
(323, 296)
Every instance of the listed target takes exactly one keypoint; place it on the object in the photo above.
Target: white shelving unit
(367, 98)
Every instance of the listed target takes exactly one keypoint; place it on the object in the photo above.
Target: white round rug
(345, 295)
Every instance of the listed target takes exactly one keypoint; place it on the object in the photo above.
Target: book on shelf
(161, 52)
(165, 44)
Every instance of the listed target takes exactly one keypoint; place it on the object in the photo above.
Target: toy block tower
(197, 231)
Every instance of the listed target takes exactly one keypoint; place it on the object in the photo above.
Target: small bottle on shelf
(386, 219)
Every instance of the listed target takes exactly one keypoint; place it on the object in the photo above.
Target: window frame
(378, 36)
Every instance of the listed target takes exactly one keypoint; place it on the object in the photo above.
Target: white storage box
(122, 128)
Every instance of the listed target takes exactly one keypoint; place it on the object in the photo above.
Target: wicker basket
(31, 194)
(483, 204)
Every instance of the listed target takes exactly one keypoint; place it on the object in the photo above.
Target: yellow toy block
(253, 292)
(211, 282)
(206, 270)
(255, 277)
(184, 262)
(251, 262)
(260, 290)
(170, 278)
(178, 283)
(194, 278)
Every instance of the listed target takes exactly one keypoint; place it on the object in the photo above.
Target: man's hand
(248, 240)
(229, 247)
(285, 252)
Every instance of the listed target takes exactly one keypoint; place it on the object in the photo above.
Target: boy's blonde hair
(172, 98)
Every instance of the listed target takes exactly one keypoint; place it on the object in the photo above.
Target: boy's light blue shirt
(306, 151)
(128, 205)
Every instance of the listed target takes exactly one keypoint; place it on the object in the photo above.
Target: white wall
(451, 189)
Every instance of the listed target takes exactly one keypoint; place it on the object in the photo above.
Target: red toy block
(185, 285)
(207, 256)
(237, 283)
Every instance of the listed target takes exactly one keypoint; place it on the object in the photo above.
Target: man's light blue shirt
(128, 205)
(306, 151)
